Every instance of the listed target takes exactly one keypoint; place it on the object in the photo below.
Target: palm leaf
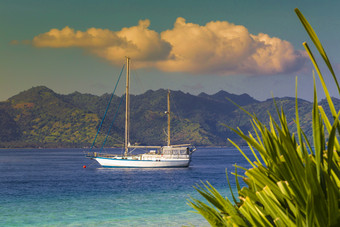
(317, 44)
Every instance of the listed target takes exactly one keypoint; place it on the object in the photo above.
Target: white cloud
(218, 47)
(224, 48)
(68, 37)
(138, 42)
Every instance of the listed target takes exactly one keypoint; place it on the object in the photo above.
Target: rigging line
(137, 85)
(138, 80)
(114, 118)
(132, 150)
(101, 123)
(179, 113)
(117, 140)
(166, 133)
(91, 163)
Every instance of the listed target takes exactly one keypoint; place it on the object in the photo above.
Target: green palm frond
(291, 183)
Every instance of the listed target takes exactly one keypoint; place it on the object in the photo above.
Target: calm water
(50, 187)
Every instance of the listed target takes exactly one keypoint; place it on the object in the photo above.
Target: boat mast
(168, 112)
(127, 106)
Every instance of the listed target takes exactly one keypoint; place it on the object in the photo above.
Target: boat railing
(154, 147)
(97, 154)
(181, 145)
(176, 156)
(107, 155)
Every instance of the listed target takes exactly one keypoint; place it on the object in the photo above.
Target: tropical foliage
(293, 182)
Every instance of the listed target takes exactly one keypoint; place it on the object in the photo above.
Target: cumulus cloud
(224, 48)
(68, 37)
(218, 47)
(138, 42)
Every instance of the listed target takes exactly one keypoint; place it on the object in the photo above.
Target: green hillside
(39, 117)
(45, 119)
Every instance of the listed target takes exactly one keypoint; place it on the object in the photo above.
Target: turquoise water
(50, 187)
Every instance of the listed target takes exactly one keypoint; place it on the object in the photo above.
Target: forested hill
(39, 117)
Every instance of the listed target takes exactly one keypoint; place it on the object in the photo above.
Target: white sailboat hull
(131, 163)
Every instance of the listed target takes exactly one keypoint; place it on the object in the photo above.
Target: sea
(51, 187)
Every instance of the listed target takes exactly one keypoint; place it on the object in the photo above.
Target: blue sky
(241, 46)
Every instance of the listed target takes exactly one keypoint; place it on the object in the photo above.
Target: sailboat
(168, 156)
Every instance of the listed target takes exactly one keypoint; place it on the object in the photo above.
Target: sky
(240, 46)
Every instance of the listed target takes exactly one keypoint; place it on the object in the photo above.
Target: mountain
(44, 118)
(222, 96)
(239, 119)
(39, 117)
(10, 130)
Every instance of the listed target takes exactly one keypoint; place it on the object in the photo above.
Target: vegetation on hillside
(39, 117)
(45, 120)
(293, 182)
